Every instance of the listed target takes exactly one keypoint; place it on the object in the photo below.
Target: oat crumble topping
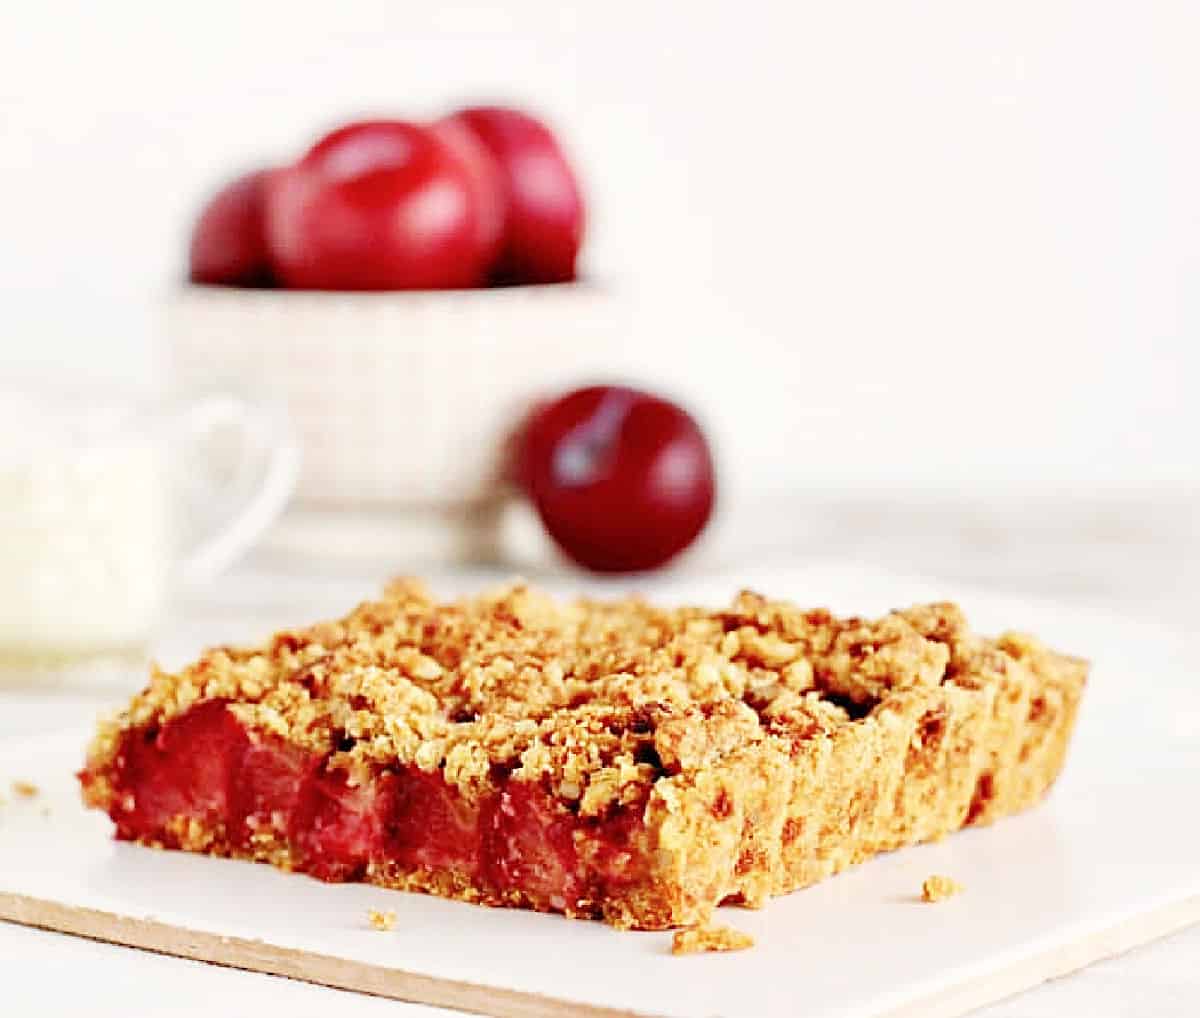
(575, 694)
(938, 888)
(698, 939)
(382, 921)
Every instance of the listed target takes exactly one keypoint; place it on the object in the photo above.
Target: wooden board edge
(1061, 960)
(306, 966)
(474, 998)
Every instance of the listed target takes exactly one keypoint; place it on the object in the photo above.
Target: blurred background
(926, 272)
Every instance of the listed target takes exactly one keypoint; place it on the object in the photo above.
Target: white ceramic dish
(400, 398)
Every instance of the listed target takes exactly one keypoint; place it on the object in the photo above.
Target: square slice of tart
(609, 760)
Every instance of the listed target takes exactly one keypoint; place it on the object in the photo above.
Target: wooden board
(1110, 861)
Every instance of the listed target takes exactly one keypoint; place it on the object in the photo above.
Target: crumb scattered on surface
(382, 921)
(25, 789)
(710, 938)
(938, 888)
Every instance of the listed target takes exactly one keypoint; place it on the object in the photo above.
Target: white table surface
(54, 974)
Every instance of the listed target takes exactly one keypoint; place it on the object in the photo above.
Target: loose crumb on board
(382, 921)
(938, 888)
(710, 938)
(24, 789)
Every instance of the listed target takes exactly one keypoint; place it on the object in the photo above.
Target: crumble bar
(600, 759)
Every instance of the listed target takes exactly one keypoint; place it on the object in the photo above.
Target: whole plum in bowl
(407, 288)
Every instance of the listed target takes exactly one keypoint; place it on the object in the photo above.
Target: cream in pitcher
(105, 504)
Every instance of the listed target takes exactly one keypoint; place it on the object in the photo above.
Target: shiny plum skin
(544, 209)
(229, 245)
(485, 181)
(623, 480)
(377, 205)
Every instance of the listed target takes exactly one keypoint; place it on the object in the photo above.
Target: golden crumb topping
(710, 938)
(381, 921)
(593, 699)
(938, 888)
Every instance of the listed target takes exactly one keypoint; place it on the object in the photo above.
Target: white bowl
(401, 398)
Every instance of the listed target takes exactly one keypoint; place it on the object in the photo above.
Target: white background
(940, 245)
